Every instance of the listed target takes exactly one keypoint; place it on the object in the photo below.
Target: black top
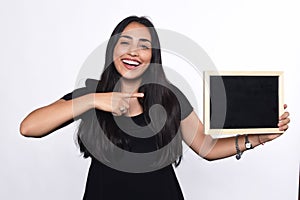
(106, 183)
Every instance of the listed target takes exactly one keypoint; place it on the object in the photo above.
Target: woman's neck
(130, 86)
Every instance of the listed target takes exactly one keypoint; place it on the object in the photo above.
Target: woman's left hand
(284, 120)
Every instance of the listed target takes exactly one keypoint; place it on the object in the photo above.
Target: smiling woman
(132, 54)
(133, 121)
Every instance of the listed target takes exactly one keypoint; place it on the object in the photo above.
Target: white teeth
(131, 62)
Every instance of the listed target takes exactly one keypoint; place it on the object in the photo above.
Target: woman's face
(132, 53)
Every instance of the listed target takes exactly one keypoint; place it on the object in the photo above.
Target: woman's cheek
(119, 51)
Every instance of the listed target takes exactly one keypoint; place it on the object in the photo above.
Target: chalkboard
(242, 102)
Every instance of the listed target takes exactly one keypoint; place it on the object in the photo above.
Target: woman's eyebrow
(141, 39)
(145, 40)
(126, 36)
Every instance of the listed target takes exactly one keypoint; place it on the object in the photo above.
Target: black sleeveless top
(106, 183)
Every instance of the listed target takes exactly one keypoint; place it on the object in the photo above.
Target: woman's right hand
(115, 102)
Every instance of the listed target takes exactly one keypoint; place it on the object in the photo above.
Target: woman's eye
(125, 43)
(144, 47)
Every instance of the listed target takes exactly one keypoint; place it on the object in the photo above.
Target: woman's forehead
(136, 30)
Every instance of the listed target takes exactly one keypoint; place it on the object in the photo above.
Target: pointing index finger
(133, 95)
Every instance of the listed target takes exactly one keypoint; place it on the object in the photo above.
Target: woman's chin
(132, 74)
(131, 77)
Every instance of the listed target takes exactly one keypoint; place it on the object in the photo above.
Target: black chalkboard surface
(242, 102)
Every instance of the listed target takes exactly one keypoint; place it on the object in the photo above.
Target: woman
(131, 86)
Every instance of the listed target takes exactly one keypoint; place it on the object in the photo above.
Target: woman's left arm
(213, 149)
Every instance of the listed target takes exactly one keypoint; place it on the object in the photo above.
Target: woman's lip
(130, 67)
(135, 63)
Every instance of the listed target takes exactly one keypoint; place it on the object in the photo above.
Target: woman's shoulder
(90, 87)
(178, 93)
(92, 84)
(185, 105)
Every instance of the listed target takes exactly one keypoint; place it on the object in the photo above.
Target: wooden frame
(225, 98)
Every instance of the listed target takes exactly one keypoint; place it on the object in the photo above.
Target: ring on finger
(123, 109)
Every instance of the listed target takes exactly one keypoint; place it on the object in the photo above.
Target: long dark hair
(156, 89)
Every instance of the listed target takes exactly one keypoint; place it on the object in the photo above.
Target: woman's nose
(133, 51)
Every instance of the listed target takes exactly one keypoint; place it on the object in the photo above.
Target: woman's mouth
(130, 64)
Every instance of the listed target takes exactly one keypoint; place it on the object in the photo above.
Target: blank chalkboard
(242, 102)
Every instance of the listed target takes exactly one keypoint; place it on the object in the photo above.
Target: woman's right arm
(44, 120)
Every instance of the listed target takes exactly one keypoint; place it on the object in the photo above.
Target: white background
(44, 44)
